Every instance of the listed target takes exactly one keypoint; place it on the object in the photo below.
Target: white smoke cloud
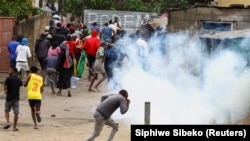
(184, 85)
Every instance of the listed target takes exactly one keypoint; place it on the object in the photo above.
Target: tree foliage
(18, 9)
(135, 5)
(159, 6)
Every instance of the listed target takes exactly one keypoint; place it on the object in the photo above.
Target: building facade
(227, 3)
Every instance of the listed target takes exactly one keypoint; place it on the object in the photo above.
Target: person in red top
(72, 45)
(91, 45)
(72, 51)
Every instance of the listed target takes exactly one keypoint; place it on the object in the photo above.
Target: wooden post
(147, 113)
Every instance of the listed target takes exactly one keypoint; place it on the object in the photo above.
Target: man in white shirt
(142, 47)
(115, 28)
(143, 52)
(23, 52)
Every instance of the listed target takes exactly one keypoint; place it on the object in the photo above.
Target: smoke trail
(183, 84)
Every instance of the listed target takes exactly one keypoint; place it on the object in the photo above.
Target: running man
(12, 90)
(34, 84)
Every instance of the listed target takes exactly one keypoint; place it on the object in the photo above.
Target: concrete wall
(32, 28)
(130, 21)
(192, 18)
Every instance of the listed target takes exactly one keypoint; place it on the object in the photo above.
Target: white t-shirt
(114, 27)
(23, 52)
(143, 47)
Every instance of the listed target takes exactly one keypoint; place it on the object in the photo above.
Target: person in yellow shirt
(34, 84)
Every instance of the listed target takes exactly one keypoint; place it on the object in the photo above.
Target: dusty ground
(73, 119)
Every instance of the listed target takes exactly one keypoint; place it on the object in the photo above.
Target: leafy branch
(18, 9)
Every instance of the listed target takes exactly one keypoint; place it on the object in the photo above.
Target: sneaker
(38, 117)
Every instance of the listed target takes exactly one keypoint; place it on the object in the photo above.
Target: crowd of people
(63, 51)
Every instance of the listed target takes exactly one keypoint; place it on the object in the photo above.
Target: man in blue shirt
(110, 60)
(107, 33)
(12, 45)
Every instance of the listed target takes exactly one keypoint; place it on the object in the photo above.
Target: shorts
(22, 65)
(91, 60)
(14, 104)
(35, 103)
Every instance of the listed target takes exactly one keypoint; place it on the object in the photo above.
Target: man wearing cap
(34, 84)
(46, 30)
(56, 19)
(23, 52)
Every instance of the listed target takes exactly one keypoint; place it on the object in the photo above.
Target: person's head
(71, 29)
(115, 19)
(110, 21)
(94, 33)
(68, 25)
(55, 44)
(19, 38)
(58, 25)
(46, 29)
(43, 35)
(124, 93)
(33, 69)
(94, 24)
(74, 36)
(72, 18)
(103, 44)
(12, 71)
(56, 17)
(51, 30)
(106, 24)
(68, 37)
(24, 41)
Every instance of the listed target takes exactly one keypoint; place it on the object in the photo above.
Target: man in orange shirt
(34, 84)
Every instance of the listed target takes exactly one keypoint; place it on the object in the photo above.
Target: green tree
(135, 5)
(159, 6)
(18, 9)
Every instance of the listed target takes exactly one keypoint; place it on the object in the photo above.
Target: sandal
(6, 127)
(15, 129)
